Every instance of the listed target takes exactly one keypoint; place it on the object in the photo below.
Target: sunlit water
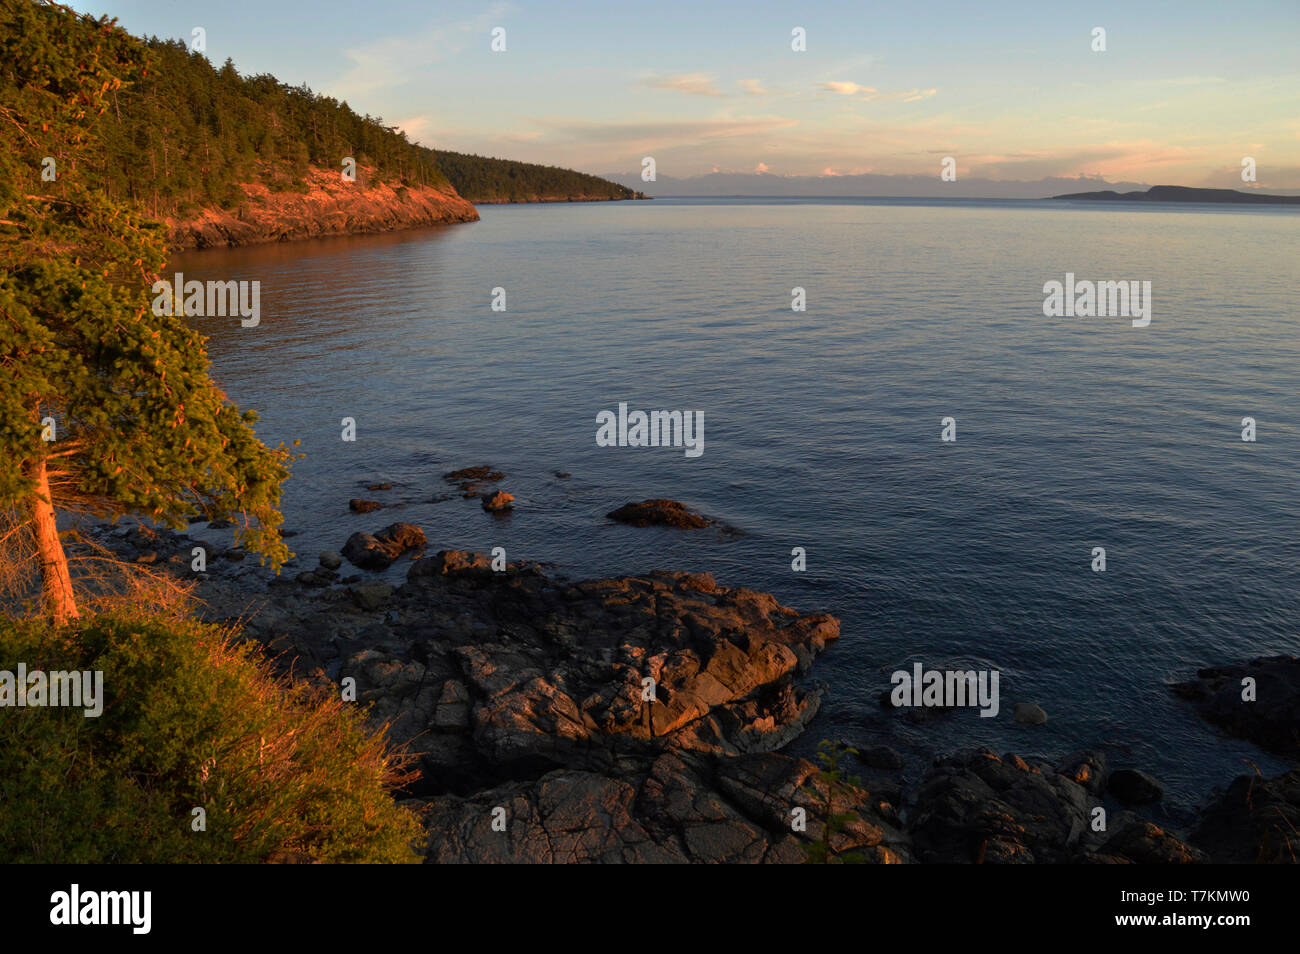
(822, 430)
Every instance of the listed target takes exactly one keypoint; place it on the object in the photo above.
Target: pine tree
(138, 426)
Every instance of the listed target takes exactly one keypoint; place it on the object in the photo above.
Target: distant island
(1185, 194)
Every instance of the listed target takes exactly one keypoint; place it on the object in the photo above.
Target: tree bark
(56, 581)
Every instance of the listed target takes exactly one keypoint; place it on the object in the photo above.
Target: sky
(1181, 94)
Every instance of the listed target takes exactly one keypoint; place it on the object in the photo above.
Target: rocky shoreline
(642, 718)
(329, 206)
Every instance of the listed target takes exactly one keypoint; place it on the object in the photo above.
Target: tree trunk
(56, 582)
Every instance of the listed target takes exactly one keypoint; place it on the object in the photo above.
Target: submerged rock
(659, 513)
(357, 505)
(1029, 714)
(498, 501)
(470, 480)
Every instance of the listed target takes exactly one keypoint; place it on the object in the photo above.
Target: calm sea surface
(822, 431)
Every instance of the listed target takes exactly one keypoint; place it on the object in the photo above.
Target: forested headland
(184, 137)
(485, 180)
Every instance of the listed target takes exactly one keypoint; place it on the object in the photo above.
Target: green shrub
(189, 720)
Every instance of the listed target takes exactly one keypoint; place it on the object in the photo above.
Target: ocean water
(822, 431)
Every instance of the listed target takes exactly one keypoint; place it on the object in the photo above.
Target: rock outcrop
(1267, 712)
(329, 206)
(641, 718)
(983, 809)
(1254, 822)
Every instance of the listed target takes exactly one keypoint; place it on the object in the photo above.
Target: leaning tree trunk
(56, 582)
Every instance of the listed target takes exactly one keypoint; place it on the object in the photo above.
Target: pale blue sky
(1011, 90)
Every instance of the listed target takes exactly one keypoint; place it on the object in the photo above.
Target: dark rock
(498, 501)
(1272, 721)
(379, 551)
(379, 486)
(658, 513)
(453, 562)
(471, 479)
(331, 559)
(1143, 843)
(1133, 787)
(222, 524)
(1254, 822)
(679, 808)
(371, 595)
(1027, 713)
(562, 475)
(357, 505)
(483, 472)
(879, 757)
(1085, 768)
(984, 809)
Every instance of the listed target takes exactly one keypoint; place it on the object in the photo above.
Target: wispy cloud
(693, 84)
(395, 60)
(846, 88)
(664, 134)
(858, 91)
(751, 87)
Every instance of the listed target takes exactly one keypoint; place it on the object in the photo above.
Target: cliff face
(330, 206)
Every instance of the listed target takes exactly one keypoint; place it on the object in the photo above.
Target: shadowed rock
(1133, 787)
(659, 513)
(984, 809)
(1271, 720)
(1254, 822)
(677, 808)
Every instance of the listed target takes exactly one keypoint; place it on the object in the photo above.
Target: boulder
(659, 513)
(357, 505)
(1029, 714)
(879, 757)
(371, 595)
(1085, 768)
(498, 501)
(379, 551)
(1133, 787)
